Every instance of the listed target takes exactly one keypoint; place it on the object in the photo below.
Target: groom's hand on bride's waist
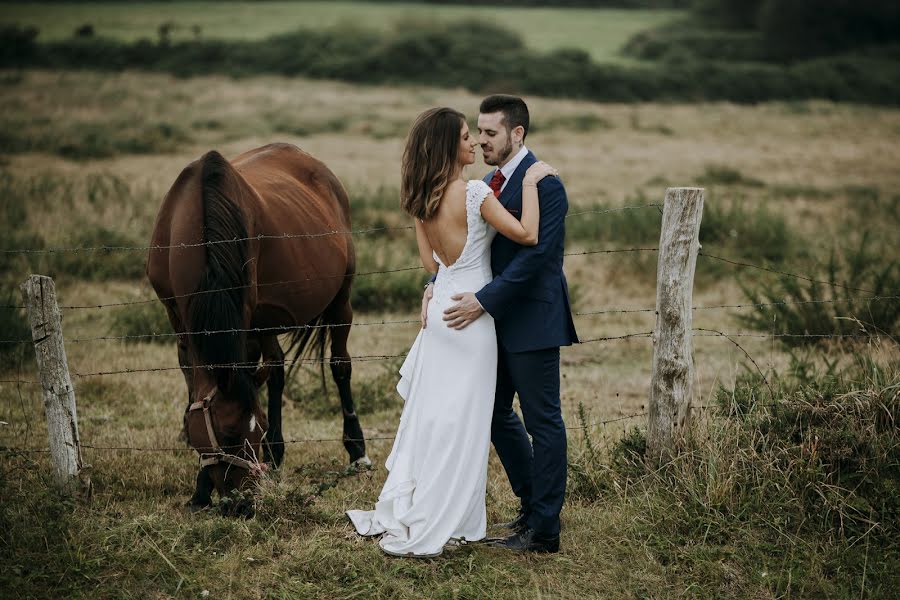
(466, 310)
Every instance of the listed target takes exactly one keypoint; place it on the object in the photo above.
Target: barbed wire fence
(873, 296)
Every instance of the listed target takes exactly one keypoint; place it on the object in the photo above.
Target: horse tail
(218, 304)
(309, 343)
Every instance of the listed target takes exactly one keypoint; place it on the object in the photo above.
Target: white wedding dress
(435, 489)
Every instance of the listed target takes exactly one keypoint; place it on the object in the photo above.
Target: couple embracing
(493, 320)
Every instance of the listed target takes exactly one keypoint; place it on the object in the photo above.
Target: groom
(529, 301)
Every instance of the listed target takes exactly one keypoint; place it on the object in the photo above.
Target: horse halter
(218, 455)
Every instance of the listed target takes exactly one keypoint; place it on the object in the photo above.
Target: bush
(797, 29)
(442, 55)
(388, 292)
(749, 232)
(18, 44)
(822, 309)
(733, 14)
(143, 320)
(96, 265)
(14, 326)
(602, 224)
(676, 44)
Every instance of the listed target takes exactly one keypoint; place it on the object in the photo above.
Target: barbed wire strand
(699, 332)
(285, 442)
(384, 322)
(262, 236)
(293, 281)
(413, 268)
(747, 354)
(786, 273)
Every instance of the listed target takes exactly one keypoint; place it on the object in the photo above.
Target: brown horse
(220, 269)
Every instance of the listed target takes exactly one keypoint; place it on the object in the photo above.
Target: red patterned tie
(497, 182)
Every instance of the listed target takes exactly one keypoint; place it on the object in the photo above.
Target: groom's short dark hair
(514, 109)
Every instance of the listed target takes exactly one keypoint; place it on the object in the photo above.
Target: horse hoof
(195, 507)
(363, 462)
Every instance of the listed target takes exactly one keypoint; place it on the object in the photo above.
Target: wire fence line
(697, 332)
(262, 237)
(785, 273)
(875, 295)
(384, 322)
(186, 448)
(295, 281)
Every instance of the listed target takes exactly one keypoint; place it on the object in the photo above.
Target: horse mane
(218, 304)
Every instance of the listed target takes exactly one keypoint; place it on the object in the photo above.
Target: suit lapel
(514, 185)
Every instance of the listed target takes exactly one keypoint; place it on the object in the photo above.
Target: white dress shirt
(509, 168)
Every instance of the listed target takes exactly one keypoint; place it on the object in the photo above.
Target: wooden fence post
(39, 295)
(671, 385)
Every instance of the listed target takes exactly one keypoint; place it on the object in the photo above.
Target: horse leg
(341, 370)
(274, 355)
(202, 497)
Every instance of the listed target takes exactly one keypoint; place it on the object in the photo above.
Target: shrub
(442, 55)
(822, 309)
(96, 265)
(686, 42)
(722, 175)
(14, 233)
(797, 29)
(737, 14)
(602, 224)
(388, 292)
(14, 326)
(143, 320)
(751, 232)
(17, 44)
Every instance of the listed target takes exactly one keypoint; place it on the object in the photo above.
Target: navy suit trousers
(537, 468)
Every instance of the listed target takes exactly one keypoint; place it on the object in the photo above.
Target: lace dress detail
(435, 488)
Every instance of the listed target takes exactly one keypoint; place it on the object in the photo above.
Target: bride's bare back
(447, 230)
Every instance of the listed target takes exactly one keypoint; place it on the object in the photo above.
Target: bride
(435, 489)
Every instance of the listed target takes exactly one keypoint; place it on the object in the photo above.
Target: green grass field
(599, 32)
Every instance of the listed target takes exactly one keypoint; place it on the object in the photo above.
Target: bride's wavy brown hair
(429, 160)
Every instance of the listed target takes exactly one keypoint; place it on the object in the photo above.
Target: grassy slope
(599, 32)
(135, 542)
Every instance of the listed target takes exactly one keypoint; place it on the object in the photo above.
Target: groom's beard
(502, 156)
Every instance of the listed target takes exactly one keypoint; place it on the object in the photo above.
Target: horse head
(227, 428)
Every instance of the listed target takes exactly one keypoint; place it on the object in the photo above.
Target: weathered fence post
(671, 385)
(39, 295)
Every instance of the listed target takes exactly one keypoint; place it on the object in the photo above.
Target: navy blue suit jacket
(529, 296)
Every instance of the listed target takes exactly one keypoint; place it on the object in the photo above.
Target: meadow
(601, 33)
(85, 159)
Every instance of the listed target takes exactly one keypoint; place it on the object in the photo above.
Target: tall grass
(49, 211)
(801, 497)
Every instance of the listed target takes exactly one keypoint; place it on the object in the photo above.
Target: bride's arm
(425, 250)
(524, 232)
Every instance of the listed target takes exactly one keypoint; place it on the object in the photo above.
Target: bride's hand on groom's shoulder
(538, 171)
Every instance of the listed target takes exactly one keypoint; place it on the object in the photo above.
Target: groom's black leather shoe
(518, 525)
(529, 540)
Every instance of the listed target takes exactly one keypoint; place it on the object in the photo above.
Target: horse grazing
(219, 268)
